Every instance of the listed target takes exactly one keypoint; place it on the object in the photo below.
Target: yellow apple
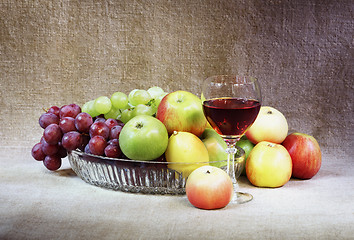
(186, 152)
(269, 165)
(270, 125)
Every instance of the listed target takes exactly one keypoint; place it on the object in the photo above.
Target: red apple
(270, 125)
(209, 187)
(182, 111)
(269, 165)
(305, 153)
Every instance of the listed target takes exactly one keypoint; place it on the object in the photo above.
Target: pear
(185, 153)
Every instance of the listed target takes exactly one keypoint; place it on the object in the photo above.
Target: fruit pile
(150, 124)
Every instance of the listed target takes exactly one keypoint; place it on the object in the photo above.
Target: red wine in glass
(231, 117)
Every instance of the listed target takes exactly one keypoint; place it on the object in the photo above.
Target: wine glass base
(240, 198)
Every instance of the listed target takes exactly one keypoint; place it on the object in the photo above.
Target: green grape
(152, 104)
(130, 95)
(155, 92)
(126, 115)
(153, 107)
(85, 107)
(113, 113)
(89, 108)
(103, 105)
(140, 97)
(119, 100)
(142, 109)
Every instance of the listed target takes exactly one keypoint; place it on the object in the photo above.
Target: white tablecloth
(39, 204)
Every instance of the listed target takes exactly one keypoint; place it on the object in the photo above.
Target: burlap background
(59, 52)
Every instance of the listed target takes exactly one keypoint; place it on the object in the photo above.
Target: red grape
(77, 108)
(100, 129)
(54, 109)
(97, 144)
(71, 110)
(114, 141)
(115, 131)
(71, 140)
(67, 124)
(112, 151)
(110, 122)
(83, 122)
(37, 152)
(52, 134)
(52, 162)
(62, 153)
(87, 149)
(49, 149)
(48, 118)
(85, 140)
(100, 119)
(120, 122)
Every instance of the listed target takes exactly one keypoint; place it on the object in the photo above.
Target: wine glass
(231, 104)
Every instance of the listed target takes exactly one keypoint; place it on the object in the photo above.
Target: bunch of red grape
(68, 128)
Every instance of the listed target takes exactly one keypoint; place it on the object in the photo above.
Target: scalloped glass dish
(148, 177)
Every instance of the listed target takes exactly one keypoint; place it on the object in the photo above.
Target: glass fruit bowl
(148, 177)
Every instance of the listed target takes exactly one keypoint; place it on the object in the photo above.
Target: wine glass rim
(248, 78)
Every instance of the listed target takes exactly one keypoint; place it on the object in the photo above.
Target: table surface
(39, 204)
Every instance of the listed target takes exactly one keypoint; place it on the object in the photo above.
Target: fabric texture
(67, 51)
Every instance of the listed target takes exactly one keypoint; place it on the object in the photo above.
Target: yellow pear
(186, 152)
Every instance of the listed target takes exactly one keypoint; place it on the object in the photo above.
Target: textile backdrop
(61, 52)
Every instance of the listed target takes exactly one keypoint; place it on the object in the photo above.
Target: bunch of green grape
(125, 107)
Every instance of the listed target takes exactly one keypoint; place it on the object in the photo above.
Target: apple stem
(208, 172)
(269, 112)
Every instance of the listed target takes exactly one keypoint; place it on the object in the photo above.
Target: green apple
(216, 147)
(143, 138)
(182, 111)
(269, 165)
(247, 146)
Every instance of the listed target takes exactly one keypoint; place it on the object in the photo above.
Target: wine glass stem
(231, 151)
